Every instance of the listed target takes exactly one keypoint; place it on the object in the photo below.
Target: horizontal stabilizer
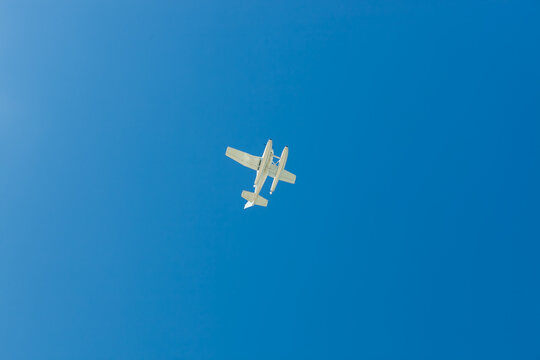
(250, 197)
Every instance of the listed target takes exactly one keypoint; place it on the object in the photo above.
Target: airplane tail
(251, 200)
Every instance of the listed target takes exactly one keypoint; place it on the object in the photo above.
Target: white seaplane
(265, 167)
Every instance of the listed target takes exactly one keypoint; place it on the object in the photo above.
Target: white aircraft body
(265, 167)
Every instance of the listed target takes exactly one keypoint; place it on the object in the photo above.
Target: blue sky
(412, 230)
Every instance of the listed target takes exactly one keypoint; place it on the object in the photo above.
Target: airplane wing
(244, 158)
(284, 176)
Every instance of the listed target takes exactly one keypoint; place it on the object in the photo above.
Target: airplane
(265, 166)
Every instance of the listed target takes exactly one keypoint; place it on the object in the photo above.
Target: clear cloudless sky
(412, 231)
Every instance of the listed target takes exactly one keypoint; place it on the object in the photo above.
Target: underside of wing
(287, 177)
(244, 158)
(284, 176)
